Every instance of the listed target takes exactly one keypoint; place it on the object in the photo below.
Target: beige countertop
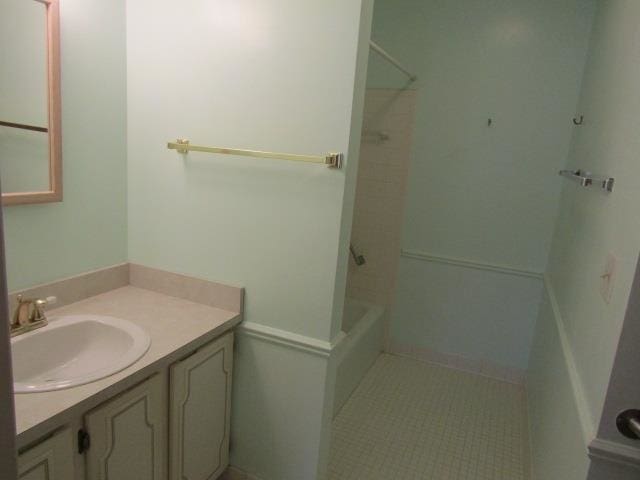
(176, 327)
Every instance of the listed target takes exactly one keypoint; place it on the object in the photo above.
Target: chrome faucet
(29, 314)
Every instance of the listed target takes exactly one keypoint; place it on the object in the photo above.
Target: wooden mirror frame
(54, 194)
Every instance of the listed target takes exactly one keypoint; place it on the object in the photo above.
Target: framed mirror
(30, 134)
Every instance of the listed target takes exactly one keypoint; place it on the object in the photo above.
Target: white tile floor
(409, 420)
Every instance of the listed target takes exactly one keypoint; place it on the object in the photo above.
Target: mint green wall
(557, 438)
(278, 400)
(282, 76)
(252, 76)
(488, 194)
(480, 193)
(476, 314)
(88, 229)
(592, 224)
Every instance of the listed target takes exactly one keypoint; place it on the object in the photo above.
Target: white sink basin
(74, 350)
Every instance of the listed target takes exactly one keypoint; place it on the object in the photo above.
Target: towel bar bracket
(586, 179)
(185, 142)
(334, 160)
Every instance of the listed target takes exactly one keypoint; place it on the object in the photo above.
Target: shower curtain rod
(384, 54)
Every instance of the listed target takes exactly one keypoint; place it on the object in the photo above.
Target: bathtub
(363, 326)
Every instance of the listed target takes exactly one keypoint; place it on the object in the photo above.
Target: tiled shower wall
(382, 177)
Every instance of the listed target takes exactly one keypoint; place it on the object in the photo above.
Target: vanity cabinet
(199, 413)
(51, 459)
(173, 425)
(128, 435)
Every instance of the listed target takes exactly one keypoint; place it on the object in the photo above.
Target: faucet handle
(22, 312)
(38, 308)
(43, 302)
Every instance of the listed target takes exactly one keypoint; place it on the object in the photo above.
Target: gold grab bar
(333, 160)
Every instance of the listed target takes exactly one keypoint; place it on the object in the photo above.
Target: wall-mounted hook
(578, 121)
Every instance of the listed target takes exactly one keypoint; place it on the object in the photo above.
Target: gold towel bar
(333, 160)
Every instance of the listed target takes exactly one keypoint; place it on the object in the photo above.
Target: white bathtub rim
(373, 314)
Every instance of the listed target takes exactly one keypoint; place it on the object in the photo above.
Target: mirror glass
(29, 102)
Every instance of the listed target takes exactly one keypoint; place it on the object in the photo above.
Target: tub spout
(359, 259)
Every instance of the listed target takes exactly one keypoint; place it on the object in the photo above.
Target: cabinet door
(199, 412)
(128, 435)
(49, 460)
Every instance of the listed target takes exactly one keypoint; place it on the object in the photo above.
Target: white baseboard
(515, 376)
(586, 422)
(615, 452)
